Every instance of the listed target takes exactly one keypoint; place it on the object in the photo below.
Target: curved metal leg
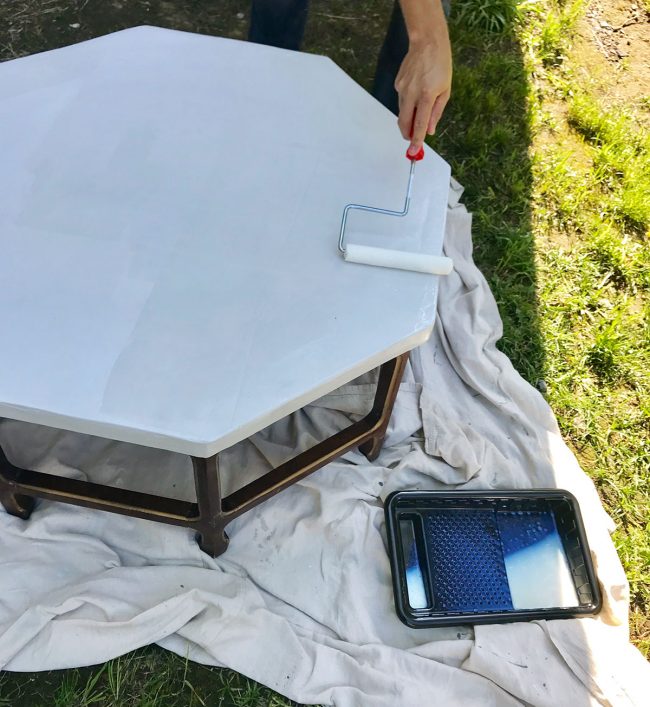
(390, 377)
(17, 504)
(372, 447)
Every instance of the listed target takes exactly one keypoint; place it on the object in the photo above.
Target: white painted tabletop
(169, 214)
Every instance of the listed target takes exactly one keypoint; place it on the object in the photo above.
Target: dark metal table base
(211, 512)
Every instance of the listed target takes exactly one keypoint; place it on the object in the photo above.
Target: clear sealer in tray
(487, 557)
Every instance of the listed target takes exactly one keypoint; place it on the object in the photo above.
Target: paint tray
(488, 557)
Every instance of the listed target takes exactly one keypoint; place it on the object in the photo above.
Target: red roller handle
(417, 157)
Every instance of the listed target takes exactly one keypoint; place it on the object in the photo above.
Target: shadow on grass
(485, 136)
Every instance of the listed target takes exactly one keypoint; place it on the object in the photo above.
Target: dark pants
(281, 23)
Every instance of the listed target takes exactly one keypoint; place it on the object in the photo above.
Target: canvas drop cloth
(302, 600)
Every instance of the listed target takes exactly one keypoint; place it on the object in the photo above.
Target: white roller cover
(400, 259)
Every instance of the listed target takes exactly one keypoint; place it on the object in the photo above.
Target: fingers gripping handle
(417, 157)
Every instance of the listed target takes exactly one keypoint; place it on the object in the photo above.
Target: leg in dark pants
(278, 23)
(281, 23)
(391, 56)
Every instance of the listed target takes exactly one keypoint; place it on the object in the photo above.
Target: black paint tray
(488, 557)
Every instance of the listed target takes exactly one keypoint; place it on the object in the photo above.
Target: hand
(424, 85)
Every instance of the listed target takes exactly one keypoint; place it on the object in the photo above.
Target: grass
(559, 183)
(592, 217)
(149, 677)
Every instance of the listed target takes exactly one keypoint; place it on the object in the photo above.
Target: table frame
(211, 512)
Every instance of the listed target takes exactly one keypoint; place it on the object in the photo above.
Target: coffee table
(169, 271)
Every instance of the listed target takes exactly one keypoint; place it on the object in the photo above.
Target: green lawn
(559, 181)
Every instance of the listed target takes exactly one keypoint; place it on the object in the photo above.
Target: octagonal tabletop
(169, 213)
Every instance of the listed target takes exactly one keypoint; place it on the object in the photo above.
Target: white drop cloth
(302, 600)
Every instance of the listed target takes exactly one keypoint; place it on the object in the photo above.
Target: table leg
(390, 377)
(210, 526)
(16, 504)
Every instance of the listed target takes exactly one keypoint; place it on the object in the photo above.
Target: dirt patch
(29, 26)
(350, 33)
(614, 47)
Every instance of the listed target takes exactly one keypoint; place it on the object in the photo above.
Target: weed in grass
(556, 32)
(115, 678)
(607, 355)
(71, 691)
(620, 258)
(6, 691)
(621, 154)
(564, 187)
(485, 15)
(545, 30)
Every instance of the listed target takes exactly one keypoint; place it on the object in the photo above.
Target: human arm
(423, 82)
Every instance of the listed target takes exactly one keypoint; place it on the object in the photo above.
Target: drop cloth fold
(302, 600)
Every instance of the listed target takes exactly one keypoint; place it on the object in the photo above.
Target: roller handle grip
(417, 157)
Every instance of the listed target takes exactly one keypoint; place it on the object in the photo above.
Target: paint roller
(386, 257)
